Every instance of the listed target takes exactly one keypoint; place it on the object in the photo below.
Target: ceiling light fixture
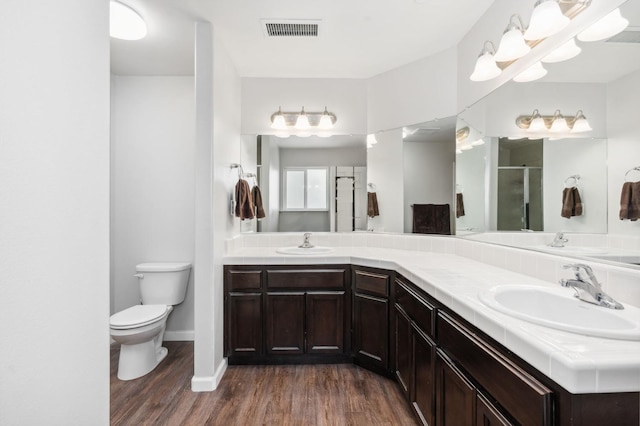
(566, 51)
(608, 26)
(534, 72)
(125, 23)
(512, 44)
(554, 124)
(486, 67)
(303, 123)
(547, 19)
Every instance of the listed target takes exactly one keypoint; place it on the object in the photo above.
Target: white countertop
(580, 364)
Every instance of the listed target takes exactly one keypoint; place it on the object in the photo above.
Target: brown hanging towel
(256, 196)
(244, 203)
(459, 204)
(630, 201)
(431, 219)
(372, 205)
(571, 203)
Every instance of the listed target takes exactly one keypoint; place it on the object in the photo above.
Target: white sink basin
(305, 251)
(573, 250)
(557, 308)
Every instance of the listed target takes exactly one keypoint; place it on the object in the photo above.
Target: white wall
(270, 175)
(428, 175)
(218, 145)
(471, 181)
(54, 213)
(384, 170)
(584, 157)
(346, 98)
(420, 91)
(623, 104)
(152, 186)
(292, 157)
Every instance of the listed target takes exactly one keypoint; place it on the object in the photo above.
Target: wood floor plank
(280, 395)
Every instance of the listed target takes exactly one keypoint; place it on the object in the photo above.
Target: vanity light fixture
(371, 140)
(547, 19)
(566, 51)
(534, 72)
(512, 44)
(302, 123)
(486, 67)
(125, 23)
(553, 124)
(608, 26)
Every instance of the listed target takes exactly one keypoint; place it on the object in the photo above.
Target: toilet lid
(137, 316)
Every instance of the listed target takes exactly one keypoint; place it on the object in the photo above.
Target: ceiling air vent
(291, 28)
(630, 35)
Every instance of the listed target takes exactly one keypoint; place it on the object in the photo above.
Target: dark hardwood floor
(309, 395)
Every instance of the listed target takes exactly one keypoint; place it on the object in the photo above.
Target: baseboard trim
(179, 336)
(209, 383)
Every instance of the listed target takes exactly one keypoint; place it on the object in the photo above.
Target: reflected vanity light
(566, 51)
(512, 44)
(371, 140)
(555, 124)
(547, 19)
(303, 123)
(534, 72)
(486, 67)
(606, 27)
(125, 23)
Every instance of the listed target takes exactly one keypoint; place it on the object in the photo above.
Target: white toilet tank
(163, 283)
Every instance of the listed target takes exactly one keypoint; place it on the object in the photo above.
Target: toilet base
(140, 359)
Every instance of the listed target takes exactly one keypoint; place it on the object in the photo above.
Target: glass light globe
(486, 68)
(546, 20)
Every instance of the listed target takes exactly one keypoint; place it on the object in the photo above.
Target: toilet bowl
(139, 330)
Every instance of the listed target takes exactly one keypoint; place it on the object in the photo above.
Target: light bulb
(546, 20)
(580, 124)
(608, 26)
(512, 44)
(559, 123)
(486, 68)
(302, 123)
(566, 51)
(537, 123)
(278, 121)
(326, 122)
(532, 73)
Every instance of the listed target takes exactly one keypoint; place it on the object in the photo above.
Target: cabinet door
(285, 323)
(455, 395)
(404, 349)
(244, 324)
(325, 322)
(423, 396)
(488, 415)
(370, 330)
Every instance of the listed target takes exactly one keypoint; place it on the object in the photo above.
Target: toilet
(140, 328)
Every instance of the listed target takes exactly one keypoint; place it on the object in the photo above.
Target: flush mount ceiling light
(547, 19)
(554, 124)
(608, 26)
(125, 23)
(303, 123)
(532, 73)
(566, 51)
(512, 44)
(486, 67)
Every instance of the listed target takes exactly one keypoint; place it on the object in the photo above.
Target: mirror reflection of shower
(520, 185)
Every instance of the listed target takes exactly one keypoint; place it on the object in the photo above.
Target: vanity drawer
(420, 311)
(306, 278)
(371, 282)
(520, 394)
(244, 279)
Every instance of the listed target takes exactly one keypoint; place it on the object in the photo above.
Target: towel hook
(634, 169)
(372, 186)
(459, 189)
(569, 184)
(239, 167)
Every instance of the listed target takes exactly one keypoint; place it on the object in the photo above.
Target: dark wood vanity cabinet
(370, 289)
(287, 314)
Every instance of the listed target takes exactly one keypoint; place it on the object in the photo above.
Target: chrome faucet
(559, 240)
(588, 288)
(305, 241)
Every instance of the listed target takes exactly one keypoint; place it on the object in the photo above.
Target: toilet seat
(137, 316)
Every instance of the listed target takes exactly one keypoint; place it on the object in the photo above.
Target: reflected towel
(630, 201)
(459, 205)
(244, 204)
(571, 203)
(256, 196)
(431, 219)
(372, 205)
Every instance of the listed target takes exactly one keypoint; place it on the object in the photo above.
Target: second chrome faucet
(588, 288)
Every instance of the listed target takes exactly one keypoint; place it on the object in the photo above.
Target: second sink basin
(557, 308)
(305, 251)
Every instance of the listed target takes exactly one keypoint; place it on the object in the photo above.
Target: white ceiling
(358, 39)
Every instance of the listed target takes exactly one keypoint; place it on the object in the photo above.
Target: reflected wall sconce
(566, 51)
(553, 124)
(303, 123)
(534, 72)
(466, 139)
(606, 27)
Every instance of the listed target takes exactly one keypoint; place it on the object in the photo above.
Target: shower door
(520, 199)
